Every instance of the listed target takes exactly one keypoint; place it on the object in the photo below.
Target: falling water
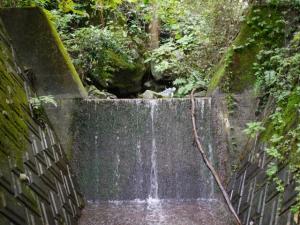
(212, 180)
(97, 167)
(117, 173)
(211, 154)
(153, 195)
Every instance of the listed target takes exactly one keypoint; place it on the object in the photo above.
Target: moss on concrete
(64, 53)
(290, 119)
(260, 31)
(14, 131)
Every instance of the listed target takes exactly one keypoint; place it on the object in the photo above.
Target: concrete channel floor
(164, 212)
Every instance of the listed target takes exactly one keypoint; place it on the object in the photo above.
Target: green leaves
(253, 128)
(186, 85)
(273, 152)
(102, 52)
(270, 77)
(38, 102)
(272, 169)
(276, 138)
(277, 73)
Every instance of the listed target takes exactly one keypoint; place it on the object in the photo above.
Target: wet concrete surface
(163, 212)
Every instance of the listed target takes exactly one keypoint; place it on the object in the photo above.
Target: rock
(150, 95)
(128, 79)
(24, 178)
(168, 93)
(152, 85)
(93, 92)
(200, 94)
(160, 76)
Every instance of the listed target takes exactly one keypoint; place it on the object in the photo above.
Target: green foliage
(25, 3)
(186, 85)
(62, 5)
(254, 128)
(38, 102)
(284, 2)
(187, 41)
(192, 47)
(172, 59)
(41, 3)
(102, 52)
(263, 29)
(277, 73)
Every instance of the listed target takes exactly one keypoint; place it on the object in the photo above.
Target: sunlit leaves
(253, 128)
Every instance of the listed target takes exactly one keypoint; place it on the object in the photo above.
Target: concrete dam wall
(136, 163)
(139, 149)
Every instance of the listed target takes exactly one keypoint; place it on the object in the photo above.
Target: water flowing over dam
(138, 156)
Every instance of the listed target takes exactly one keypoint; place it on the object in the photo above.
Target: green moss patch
(289, 119)
(64, 53)
(13, 130)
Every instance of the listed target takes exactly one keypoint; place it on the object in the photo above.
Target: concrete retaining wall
(36, 183)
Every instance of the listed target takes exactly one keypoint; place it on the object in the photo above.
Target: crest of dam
(142, 149)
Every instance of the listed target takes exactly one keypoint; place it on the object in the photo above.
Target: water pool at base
(156, 212)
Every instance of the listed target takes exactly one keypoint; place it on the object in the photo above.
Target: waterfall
(117, 173)
(153, 195)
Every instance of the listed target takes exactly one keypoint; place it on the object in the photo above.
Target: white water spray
(153, 195)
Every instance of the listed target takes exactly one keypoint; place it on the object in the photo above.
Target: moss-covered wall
(13, 101)
(36, 184)
(258, 196)
(233, 79)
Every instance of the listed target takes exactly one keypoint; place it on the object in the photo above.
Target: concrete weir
(139, 149)
(138, 155)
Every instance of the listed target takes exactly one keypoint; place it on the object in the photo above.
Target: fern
(37, 102)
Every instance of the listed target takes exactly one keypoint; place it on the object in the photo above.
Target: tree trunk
(154, 27)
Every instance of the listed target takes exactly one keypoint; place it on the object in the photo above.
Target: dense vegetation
(277, 73)
(128, 46)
